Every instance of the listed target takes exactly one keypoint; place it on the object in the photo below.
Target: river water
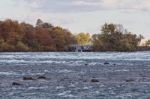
(107, 75)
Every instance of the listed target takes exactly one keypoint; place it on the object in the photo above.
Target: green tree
(110, 39)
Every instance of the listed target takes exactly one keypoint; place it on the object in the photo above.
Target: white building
(81, 48)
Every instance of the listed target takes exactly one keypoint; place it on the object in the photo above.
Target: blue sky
(81, 15)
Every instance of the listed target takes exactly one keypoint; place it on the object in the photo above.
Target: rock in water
(28, 78)
(106, 63)
(16, 84)
(130, 80)
(41, 77)
(94, 80)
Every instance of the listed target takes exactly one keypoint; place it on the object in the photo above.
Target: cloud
(87, 5)
(83, 15)
(62, 5)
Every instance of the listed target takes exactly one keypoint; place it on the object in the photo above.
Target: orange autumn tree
(15, 36)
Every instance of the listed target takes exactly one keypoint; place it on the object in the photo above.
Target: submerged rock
(16, 84)
(130, 80)
(28, 78)
(106, 63)
(94, 80)
(41, 77)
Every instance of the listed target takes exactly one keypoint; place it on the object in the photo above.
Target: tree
(13, 38)
(42, 24)
(44, 39)
(8, 26)
(7, 47)
(110, 39)
(21, 47)
(29, 36)
(147, 43)
(39, 22)
(83, 38)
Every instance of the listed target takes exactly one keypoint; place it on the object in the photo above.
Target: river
(66, 75)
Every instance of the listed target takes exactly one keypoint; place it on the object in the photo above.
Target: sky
(81, 15)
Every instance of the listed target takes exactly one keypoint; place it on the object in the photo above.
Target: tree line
(15, 36)
(115, 38)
